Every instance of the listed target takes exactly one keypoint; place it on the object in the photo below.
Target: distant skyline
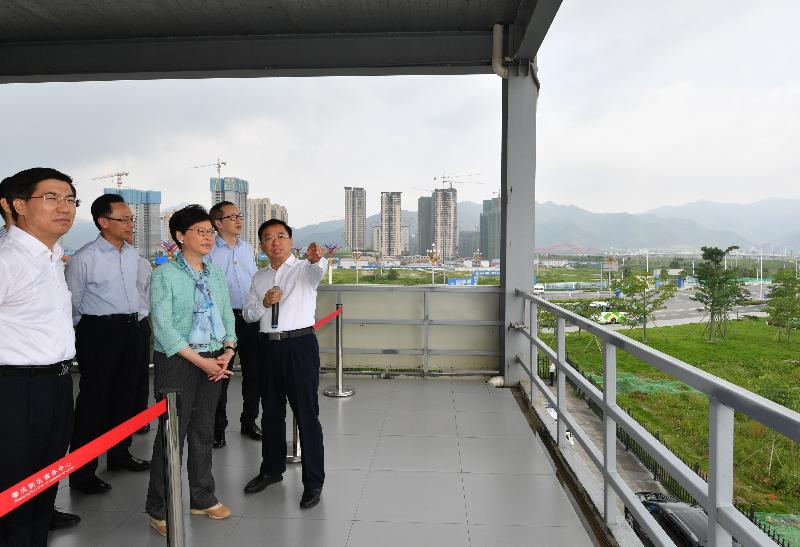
(642, 105)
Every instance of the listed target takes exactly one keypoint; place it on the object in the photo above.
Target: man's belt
(297, 333)
(117, 317)
(59, 369)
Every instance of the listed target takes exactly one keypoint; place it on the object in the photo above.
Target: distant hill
(772, 221)
(81, 233)
(567, 224)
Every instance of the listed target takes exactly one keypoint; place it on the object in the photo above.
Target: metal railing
(416, 307)
(725, 398)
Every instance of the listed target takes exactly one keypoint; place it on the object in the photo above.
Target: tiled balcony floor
(409, 463)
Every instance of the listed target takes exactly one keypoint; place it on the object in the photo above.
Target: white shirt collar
(288, 262)
(33, 245)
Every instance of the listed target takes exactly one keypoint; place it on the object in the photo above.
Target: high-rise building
(445, 228)
(390, 224)
(145, 205)
(165, 235)
(260, 210)
(355, 215)
(468, 242)
(490, 229)
(374, 242)
(405, 239)
(230, 189)
(424, 224)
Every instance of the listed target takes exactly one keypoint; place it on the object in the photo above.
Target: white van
(538, 288)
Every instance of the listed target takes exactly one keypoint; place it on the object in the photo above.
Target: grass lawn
(766, 465)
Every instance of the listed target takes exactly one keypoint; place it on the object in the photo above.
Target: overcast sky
(642, 104)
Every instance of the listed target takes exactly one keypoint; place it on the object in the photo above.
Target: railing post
(172, 470)
(534, 351)
(609, 432)
(425, 331)
(339, 390)
(720, 469)
(561, 352)
(294, 453)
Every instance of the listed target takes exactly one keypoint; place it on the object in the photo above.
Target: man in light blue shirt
(235, 258)
(105, 303)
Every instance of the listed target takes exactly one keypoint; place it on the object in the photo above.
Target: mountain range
(772, 223)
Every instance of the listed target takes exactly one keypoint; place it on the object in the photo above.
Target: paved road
(680, 308)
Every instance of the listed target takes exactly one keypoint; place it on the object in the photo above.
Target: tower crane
(450, 179)
(218, 164)
(117, 176)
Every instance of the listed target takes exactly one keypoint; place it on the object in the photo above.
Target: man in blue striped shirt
(236, 259)
(105, 303)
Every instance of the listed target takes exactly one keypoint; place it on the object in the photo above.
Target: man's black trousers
(142, 396)
(290, 370)
(37, 424)
(247, 343)
(108, 359)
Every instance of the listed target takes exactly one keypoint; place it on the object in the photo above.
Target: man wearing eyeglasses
(235, 258)
(105, 304)
(289, 357)
(37, 345)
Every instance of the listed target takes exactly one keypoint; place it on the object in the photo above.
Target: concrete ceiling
(67, 40)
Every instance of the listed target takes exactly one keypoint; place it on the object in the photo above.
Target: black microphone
(275, 311)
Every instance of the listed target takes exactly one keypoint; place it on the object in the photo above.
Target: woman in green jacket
(194, 341)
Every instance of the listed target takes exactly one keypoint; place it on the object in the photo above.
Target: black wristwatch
(234, 348)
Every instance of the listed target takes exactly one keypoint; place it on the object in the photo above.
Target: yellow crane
(218, 164)
(451, 179)
(119, 176)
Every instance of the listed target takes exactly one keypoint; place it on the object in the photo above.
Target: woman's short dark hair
(273, 222)
(183, 219)
(101, 207)
(22, 185)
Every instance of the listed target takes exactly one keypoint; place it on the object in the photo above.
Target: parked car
(684, 523)
(603, 313)
(538, 288)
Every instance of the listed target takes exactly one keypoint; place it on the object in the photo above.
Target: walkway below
(435, 462)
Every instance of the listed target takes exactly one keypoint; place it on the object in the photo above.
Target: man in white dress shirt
(37, 343)
(289, 357)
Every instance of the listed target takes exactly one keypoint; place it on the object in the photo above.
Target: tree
(783, 304)
(718, 289)
(640, 299)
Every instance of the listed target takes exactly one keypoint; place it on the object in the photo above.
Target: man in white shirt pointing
(289, 357)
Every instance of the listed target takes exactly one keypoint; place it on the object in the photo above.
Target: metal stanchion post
(293, 451)
(172, 468)
(339, 390)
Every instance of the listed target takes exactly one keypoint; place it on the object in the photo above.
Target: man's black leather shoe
(252, 431)
(261, 482)
(132, 463)
(219, 440)
(310, 498)
(61, 520)
(90, 485)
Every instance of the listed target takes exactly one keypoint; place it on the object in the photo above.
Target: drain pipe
(497, 51)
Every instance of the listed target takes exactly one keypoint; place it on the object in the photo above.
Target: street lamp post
(356, 256)
(433, 256)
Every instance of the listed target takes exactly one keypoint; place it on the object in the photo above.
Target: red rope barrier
(327, 318)
(37, 483)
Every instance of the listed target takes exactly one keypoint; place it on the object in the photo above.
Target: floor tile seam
(461, 480)
(366, 476)
(449, 523)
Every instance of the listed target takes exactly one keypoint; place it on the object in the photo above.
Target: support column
(520, 94)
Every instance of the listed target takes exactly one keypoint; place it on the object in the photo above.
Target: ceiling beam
(533, 20)
(248, 56)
